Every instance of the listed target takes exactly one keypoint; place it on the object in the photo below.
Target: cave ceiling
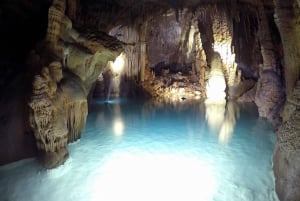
(172, 3)
(110, 13)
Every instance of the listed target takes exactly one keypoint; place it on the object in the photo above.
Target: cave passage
(134, 150)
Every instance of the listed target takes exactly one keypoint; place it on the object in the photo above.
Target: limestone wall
(287, 149)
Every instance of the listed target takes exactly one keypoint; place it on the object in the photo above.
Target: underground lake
(149, 150)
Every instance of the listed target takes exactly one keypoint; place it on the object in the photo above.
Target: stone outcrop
(73, 62)
(287, 150)
(172, 86)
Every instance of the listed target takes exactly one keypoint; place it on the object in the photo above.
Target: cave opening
(150, 100)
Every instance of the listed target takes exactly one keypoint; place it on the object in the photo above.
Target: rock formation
(286, 16)
(269, 96)
(216, 84)
(287, 150)
(286, 154)
(47, 118)
(169, 54)
(59, 101)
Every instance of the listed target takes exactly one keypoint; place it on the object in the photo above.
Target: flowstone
(47, 119)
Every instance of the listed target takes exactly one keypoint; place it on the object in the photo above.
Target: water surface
(142, 151)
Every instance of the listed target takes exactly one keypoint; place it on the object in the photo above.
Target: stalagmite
(216, 85)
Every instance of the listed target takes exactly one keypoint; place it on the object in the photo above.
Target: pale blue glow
(145, 176)
(150, 152)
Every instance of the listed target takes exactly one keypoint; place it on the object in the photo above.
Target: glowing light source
(159, 177)
(118, 65)
(215, 89)
(224, 49)
(216, 85)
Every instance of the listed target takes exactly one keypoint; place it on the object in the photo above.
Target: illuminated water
(150, 152)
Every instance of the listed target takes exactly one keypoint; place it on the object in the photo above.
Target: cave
(150, 100)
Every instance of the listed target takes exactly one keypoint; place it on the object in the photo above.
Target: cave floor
(142, 151)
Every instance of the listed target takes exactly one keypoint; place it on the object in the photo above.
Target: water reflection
(214, 114)
(165, 153)
(221, 118)
(232, 113)
(118, 123)
(118, 126)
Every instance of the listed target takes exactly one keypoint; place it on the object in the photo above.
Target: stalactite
(55, 18)
(72, 7)
(222, 44)
(46, 120)
(267, 47)
(130, 35)
(186, 28)
(76, 112)
(200, 62)
(206, 33)
(286, 17)
(143, 49)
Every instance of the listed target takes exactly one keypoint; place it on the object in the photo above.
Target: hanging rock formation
(59, 101)
(181, 45)
(47, 118)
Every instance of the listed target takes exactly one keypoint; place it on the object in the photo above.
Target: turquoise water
(142, 151)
